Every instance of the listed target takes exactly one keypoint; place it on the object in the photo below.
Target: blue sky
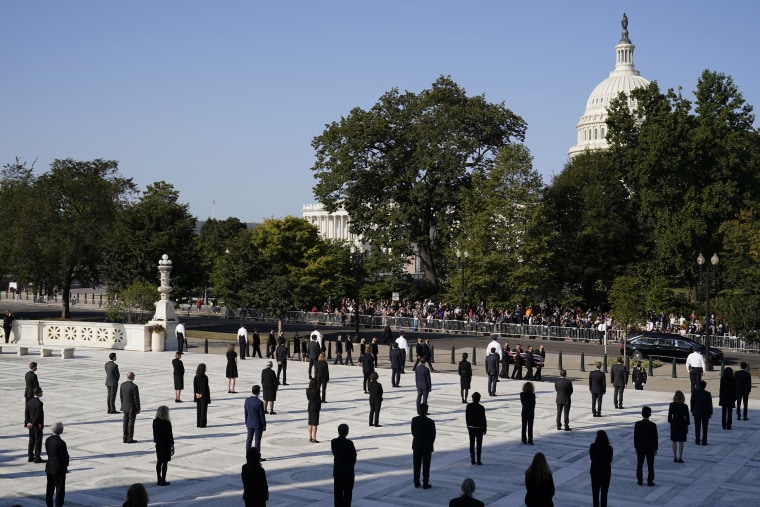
(223, 99)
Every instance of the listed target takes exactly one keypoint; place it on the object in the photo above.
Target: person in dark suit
(314, 352)
(375, 389)
(528, 413)
(597, 384)
(322, 375)
(727, 397)
(271, 344)
(129, 396)
(396, 365)
(8, 319)
(541, 352)
(517, 368)
(178, 368)
(645, 443)
(422, 382)
(475, 418)
(619, 379)
(743, 388)
(505, 360)
(466, 500)
(344, 459)
(465, 377)
(348, 347)
(600, 453)
(57, 466)
(269, 388)
(281, 356)
(202, 396)
(368, 366)
(387, 334)
(30, 381)
(492, 370)
(255, 418)
(639, 377)
(34, 420)
(256, 340)
(254, 477)
(701, 409)
(420, 350)
(339, 350)
(242, 336)
(164, 439)
(564, 388)
(530, 363)
(313, 409)
(423, 438)
(112, 382)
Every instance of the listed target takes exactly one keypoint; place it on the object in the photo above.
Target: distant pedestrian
(540, 367)
(269, 388)
(518, 363)
(255, 418)
(255, 487)
(423, 438)
(129, 395)
(727, 397)
(695, 365)
(375, 399)
(8, 319)
(528, 402)
(374, 350)
(164, 440)
(465, 377)
(396, 365)
(387, 334)
(232, 371)
(202, 395)
(404, 346)
(619, 379)
(505, 360)
(701, 407)
(34, 421)
(57, 466)
(477, 426)
(256, 341)
(281, 356)
(322, 375)
(368, 366)
(639, 377)
(530, 363)
(466, 500)
(314, 407)
(597, 384)
(304, 349)
(678, 418)
(344, 460)
(178, 373)
(645, 442)
(600, 453)
(179, 332)
(743, 388)
(271, 344)
(242, 336)
(564, 388)
(137, 496)
(348, 347)
(112, 382)
(339, 350)
(539, 483)
(422, 382)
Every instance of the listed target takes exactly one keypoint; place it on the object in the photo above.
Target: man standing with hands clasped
(564, 388)
(112, 382)
(619, 379)
(423, 437)
(130, 406)
(34, 420)
(597, 384)
(57, 466)
(645, 442)
(255, 419)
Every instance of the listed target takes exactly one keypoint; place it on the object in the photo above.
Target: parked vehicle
(666, 347)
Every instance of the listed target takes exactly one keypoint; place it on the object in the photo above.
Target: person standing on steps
(179, 331)
(396, 364)
(256, 339)
(164, 440)
(492, 370)
(281, 356)
(475, 418)
(645, 443)
(344, 459)
(129, 395)
(465, 377)
(597, 384)
(702, 410)
(112, 382)
(269, 388)
(322, 375)
(600, 453)
(678, 418)
(423, 438)
(743, 388)
(242, 336)
(422, 382)
(619, 379)
(639, 377)
(57, 466)
(564, 388)
(255, 419)
(178, 373)
(375, 399)
(34, 421)
(202, 396)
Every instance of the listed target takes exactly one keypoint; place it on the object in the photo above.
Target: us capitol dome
(592, 127)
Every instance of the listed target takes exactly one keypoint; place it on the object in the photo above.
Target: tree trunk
(427, 267)
(65, 311)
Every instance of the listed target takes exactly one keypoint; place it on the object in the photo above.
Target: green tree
(626, 300)
(156, 224)
(214, 240)
(398, 168)
(62, 221)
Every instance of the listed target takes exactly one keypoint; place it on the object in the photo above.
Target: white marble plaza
(206, 467)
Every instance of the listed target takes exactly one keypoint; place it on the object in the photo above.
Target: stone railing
(91, 335)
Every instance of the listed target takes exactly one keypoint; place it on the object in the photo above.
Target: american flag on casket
(538, 361)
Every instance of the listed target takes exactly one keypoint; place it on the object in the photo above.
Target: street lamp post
(709, 276)
(356, 258)
(462, 262)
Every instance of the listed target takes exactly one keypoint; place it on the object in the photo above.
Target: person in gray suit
(619, 379)
(597, 384)
(112, 382)
(564, 388)
(130, 406)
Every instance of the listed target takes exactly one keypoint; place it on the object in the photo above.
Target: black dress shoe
(426, 486)
(285, 384)
(559, 428)
(31, 460)
(272, 413)
(131, 441)
(472, 461)
(40, 460)
(650, 484)
(416, 484)
(480, 462)
(378, 425)
(568, 428)
(640, 483)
